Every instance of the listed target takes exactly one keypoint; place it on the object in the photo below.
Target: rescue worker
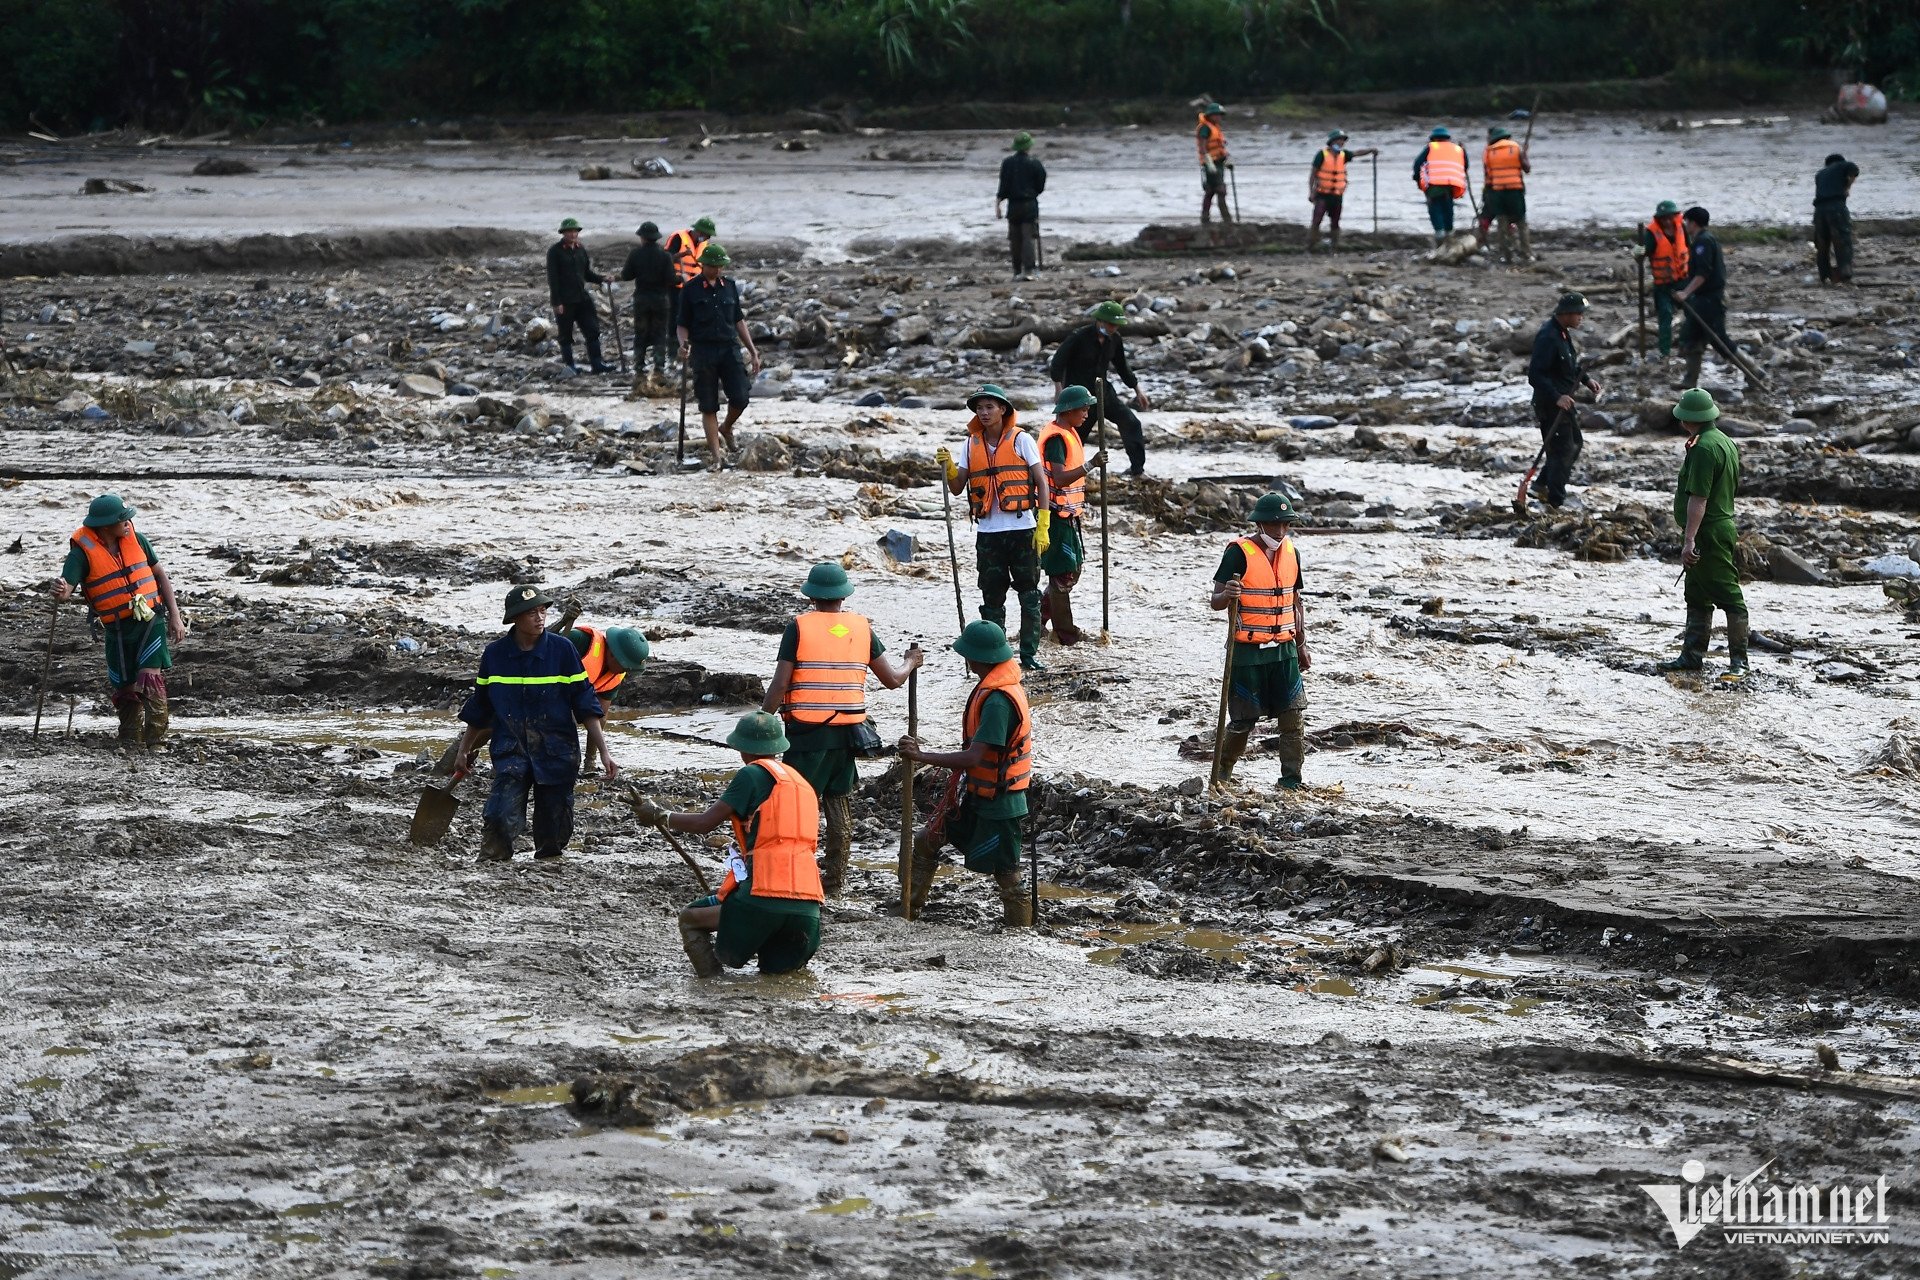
(1705, 292)
(1663, 243)
(1703, 508)
(819, 689)
(685, 247)
(1022, 180)
(1504, 197)
(712, 329)
(654, 283)
(1063, 453)
(115, 570)
(569, 272)
(1210, 140)
(609, 657)
(1832, 224)
(1327, 186)
(1440, 170)
(1007, 497)
(1261, 575)
(996, 757)
(1554, 372)
(768, 904)
(1085, 358)
(530, 692)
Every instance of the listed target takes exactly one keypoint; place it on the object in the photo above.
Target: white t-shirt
(996, 520)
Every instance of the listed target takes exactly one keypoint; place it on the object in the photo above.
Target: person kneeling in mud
(769, 904)
(997, 764)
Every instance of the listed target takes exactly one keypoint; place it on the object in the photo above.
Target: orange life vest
(1213, 138)
(1446, 166)
(786, 831)
(1669, 258)
(1266, 593)
(1005, 482)
(829, 684)
(1502, 161)
(1008, 768)
(595, 662)
(1330, 179)
(116, 574)
(1067, 500)
(684, 248)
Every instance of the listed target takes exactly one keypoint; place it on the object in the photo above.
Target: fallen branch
(1856, 1084)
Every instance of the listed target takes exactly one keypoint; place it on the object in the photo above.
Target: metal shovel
(433, 816)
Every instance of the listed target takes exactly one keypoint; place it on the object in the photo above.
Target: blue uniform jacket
(531, 700)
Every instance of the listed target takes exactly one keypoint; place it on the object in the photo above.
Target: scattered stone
(1433, 605)
(1312, 422)
(871, 400)
(420, 386)
(1795, 569)
(766, 453)
(222, 167)
(308, 378)
(111, 186)
(595, 173)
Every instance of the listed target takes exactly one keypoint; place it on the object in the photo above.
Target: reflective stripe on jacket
(829, 684)
(116, 574)
(1067, 500)
(1008, 768)
(786, 831)
(1004, 482)
(684, 248)
(1267, 593)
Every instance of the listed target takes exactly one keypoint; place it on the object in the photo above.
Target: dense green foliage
(192, 62)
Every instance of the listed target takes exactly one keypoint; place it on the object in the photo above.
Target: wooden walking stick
(1376, 193)
(46, 667)
(613, 310)
(953, 555)
(1100, 445)
(1725, 348)
(680, 449)
(1226, 687)
(906, 795)
(1641, 331)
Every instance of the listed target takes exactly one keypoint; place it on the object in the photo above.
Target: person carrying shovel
(1555, 373)
(1259, 579)
(530, 691)
(115, 570)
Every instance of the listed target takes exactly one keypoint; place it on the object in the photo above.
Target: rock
(420, 386)
(1351, 351)
(909, 329)
(538, 331)
(1793, 568)
(111, 186)
(1107, 270)
(1031, 345)
(1312, 422)
(533, 423)
(1595, 420)
(463, 389)
(1892, 565)
(871, 400)
(595, 172)
(1163, 304)
(73, 402)
(222, 167)
(1192, 786)
(140, 347)
(1799, 427)
(1811, 338)
(652, 167)
(1433, 606)
(767, 453)
(1368, 438)
(46, 314)
(407, 644)
(1741, 428)
(309, 378)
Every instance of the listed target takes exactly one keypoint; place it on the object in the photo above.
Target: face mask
(1266, 543)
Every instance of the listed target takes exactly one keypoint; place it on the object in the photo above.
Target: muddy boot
(926, 861)
(1693, 643)
(495, 847)
(1016, 907)
(1333, 239)
(1293, 748)
(155, 697)
(698, 944)
(1229, 750)
(133, 718)
(1738, 631)
(595, 363)
(1526, 244)
(566, 354)
(1063, 629)
(833, 868)
(1692, 377)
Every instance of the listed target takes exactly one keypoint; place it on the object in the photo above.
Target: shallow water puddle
(1228, 948)
(840, 1208)
(532, 1095)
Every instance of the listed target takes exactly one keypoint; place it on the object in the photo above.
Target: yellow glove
(1042, 535)
(945, 459)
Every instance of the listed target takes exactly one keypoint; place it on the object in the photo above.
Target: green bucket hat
(649, 231)
(715, 256)
(990, 391)
(758, 734)
(983, 642)
(522, 598)
(703, 226)
(1495, 133)
(570, 224)
(1023, 141)
(1570, 303)
(1337, 135)
(1212, 109)
(1073, 397)
(826, 581)
(1665, 207)
(628, 647)
(1273, 508)
(105, 510)
(1110, 313)
(1440, 133)
(1696, 406)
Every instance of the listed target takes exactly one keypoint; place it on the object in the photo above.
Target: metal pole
(1100, 445)
(613, 311)
(680, 449)
(46, 668)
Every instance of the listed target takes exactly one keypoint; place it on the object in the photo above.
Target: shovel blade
(433, 816)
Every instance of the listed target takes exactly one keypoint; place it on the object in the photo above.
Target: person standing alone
(1832, 224)
(1022, 179)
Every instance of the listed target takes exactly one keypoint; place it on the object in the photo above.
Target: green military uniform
(1266, 682)
(1710, 470)
(783, 932)
(133, 645)
(1663, 307)
(823, 754)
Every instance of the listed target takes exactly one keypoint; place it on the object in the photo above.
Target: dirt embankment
(172, 255)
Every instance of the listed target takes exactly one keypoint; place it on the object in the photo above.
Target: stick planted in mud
(953, 554)
(906, 794)
(1724, 348)
(680, 448)
(1100, 444)
(1226, 686)
(46, 671)
(613, 312)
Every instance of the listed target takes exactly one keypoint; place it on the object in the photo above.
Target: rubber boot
(1738, 630)
(833, 868)
(1526, 244)
(1293, 748)
(566, 354)
(155, 697)
(1063, 629)
(1693, 644)
(133, 718)
(1016, 906)
(494, 847)
(698, 944)
(1229, 751)
(926, 861)
(1694, 357)
(1030, 631)
(1333, 239)
(1506, 244)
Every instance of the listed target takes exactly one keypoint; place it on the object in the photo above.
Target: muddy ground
(1544, 925)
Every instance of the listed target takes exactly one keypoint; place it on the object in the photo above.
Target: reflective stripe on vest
(1668, 259)
(829, 684)
(578, 677)
(595, 662)
(1005, 482)
(115, 575)
(1008, 768)
(1446, 166)
(786, 831)
(1266, 593)
(1502, 162)
(1330, 179)
(684, 248)
(1067, 500)
(1215, 139)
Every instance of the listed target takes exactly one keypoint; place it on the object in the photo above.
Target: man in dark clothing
(569, 272)
(654, 282)
(1022, 179)
(1554, 373)
(530, 691)
(1832, 224)
(1705, 292)
(1084, 359)
(712, 327)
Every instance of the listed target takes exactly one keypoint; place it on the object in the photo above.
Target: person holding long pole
(1555, 373)
(1258, 584)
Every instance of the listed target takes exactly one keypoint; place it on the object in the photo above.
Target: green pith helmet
(1570, 304)
(1496, 133)
(758, 734)
(1666, 207)
(826, 581)
(105, 510)
(649, 231)
(703, 226)
(991, 391)
(1273, 508)
(570, 224)
(983, 641)
(522, 598)
(1696, 406)
(1110, 313)
(714, 256)
(1337, 135)
(1023, 141)
(1212, 109)
(1440, 134)
(628, 647)
(1071, 398)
